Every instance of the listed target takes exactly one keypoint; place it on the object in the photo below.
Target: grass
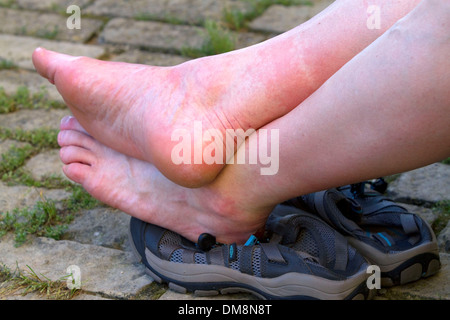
(11, 171)
(7, 65)
(42, 220)
(218, 36)
(37, 140)
(153, 291)
(14, 158)
(28, 281)
(7, 3)
(218, 40)
(238, 20)
(40, 138)
(79, 200)
(443, 210)
(24, 99)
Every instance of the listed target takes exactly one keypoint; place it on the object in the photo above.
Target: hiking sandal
(296, 260)
(402, 244)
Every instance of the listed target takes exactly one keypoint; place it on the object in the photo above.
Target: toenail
(66, 119)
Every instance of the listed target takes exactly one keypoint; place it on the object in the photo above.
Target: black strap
(272, 252)
(245, 260)
(341, 248)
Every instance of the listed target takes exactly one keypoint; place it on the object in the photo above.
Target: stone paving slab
(444, 239)
(50, 5)
(11, 80)
(186, 11)
(279, 18)
(435, 287)
(20, 53)
(32, 119)
(45, 164)
(20, 197)
(149, 58)
(45, 25)
(101, 226)
(152, 35)
(105, 271)
(5, 145)
(427, 185)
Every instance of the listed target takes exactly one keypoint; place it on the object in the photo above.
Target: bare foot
(139, 189)
(137, 109)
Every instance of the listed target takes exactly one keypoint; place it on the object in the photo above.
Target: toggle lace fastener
(206, 242)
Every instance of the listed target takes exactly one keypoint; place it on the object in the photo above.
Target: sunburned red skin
(135, 109)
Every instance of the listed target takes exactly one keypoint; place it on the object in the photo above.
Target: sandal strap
(290, 226)
(272, 252)
(325, 204)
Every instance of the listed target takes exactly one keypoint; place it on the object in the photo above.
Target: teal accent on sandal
(251, 241)
(232, 253)
(387, 240)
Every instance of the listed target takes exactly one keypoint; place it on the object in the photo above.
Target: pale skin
(135, 109)
(385, 111)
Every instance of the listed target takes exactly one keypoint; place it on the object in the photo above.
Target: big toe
(48, 62)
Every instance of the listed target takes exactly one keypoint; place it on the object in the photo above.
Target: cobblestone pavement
(157, 32)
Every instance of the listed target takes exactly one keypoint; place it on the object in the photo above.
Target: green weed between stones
(45, 218)
(28, 281)
(238, 20)
(442, 208)
(24, 99)
(42, 220)
(7, 65)
(218, 36)
(218, 40)
(36, 140)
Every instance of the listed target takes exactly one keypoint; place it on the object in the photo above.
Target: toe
(71, 123)
(73, 154)
(77, 172)
(75, 138)
(48, 62)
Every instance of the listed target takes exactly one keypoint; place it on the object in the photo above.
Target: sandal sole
(204, 280)
(404, 267)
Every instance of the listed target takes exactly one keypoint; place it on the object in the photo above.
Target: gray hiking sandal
(301, 258)
(402, 244)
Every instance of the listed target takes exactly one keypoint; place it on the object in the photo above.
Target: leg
(135, 109)
(376, 116)
(386, 111)
(139, 189)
